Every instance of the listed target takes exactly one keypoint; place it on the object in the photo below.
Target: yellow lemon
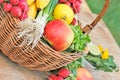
(42, 3)
(29, 2)
(63, 11)
(32, 11)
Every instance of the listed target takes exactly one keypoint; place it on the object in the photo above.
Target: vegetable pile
(18, 8)
(54, 23)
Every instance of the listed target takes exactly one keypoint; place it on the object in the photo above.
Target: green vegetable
(100, 64)
(46, 13)
(80, 40)
(72, 68)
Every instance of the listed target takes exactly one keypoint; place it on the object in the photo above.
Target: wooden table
(100, 35)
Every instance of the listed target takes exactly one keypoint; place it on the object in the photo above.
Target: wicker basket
(42, 57)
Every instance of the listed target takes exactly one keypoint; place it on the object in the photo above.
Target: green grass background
(111, 18)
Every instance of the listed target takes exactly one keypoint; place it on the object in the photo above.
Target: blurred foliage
(111, 18)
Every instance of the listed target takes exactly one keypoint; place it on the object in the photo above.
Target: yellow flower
(105, 54)
(100, 48)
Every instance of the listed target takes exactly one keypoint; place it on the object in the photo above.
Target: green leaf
(80, 40)
(106, 65)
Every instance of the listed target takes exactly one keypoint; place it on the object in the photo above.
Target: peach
(84, 74)
(58, 34)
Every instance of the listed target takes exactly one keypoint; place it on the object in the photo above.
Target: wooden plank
(101, 35)
(12, 71)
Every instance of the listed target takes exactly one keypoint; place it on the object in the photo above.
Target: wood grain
(101, 35)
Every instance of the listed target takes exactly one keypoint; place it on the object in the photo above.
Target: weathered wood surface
(100, 35)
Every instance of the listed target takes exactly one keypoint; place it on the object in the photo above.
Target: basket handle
(88, 28)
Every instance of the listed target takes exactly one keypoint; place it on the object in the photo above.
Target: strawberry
(57, 78)
(64, 72)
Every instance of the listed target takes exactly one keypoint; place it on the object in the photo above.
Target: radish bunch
(75, 5)
(61, 74)
(18, 8)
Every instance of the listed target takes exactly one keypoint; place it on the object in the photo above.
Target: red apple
(58, 34)
(84, 74)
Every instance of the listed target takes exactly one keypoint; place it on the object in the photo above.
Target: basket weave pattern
(42, 57)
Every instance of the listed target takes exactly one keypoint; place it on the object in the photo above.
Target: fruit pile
(18, 8)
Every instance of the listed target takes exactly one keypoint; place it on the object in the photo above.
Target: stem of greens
(48, 10)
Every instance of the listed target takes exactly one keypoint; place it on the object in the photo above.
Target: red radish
(72, 1)
(23, 4)
(74, 21)
(23, 16)
(7, 7)
(80, 1)
(68, 3)
(1, 1)
(64, 72)
(62, 1)
(16, 11)
(14, 2)
(76, 6)
(57, 78)
(51, 77)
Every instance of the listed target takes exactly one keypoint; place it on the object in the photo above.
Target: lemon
(32, 11)
(93, 49)
(63, 11)
(42, 3)
(29, 2)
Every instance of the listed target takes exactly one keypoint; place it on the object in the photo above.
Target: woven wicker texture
(42, 57)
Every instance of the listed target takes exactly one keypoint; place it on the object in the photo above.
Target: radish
(1, 1)
(7, 7)
(71, 1)
(68, 3)
(76, 6)
(23, 5)
(16, 11)
(80, 1)
(14, 2)
(62, 1)
(23, 16)
(74, 21)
